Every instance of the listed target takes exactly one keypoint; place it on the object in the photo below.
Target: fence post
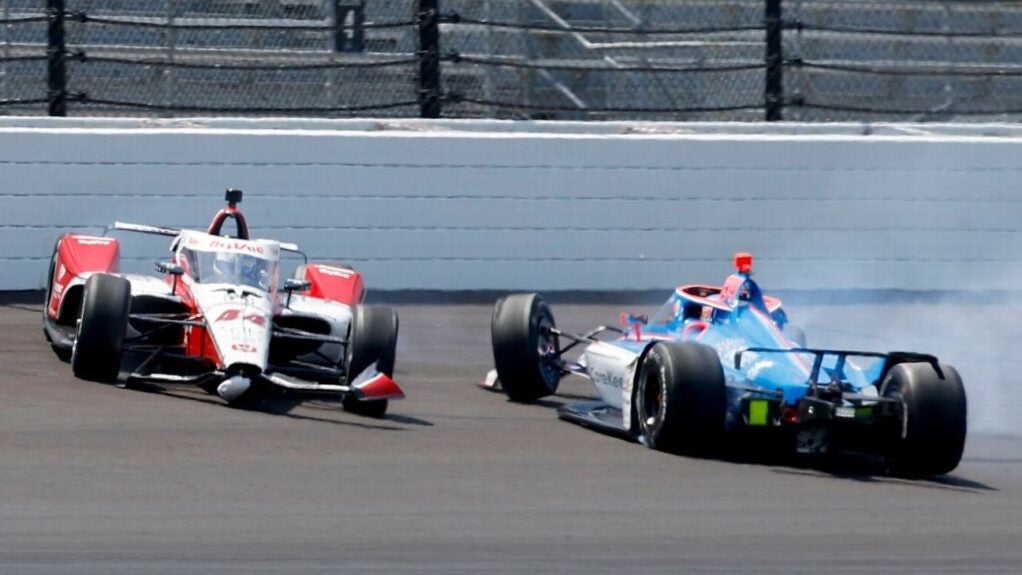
(56, 53)
(358, 32)
(429, 58)
(356, 41)
(774, 92)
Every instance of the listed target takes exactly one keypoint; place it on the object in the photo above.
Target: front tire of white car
(681, 399)
(372, 340)
(99, 341)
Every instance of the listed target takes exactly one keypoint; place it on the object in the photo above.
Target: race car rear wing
(891, 359)
(173, 232)
(145, 229)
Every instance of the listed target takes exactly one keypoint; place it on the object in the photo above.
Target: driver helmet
(252, 268)
(744, 292)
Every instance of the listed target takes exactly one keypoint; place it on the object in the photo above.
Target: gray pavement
(96, 479)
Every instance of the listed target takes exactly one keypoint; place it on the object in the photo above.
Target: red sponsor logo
(244, 347)
(237, 246)
(337, 272)
(233, 314)
(93, 240)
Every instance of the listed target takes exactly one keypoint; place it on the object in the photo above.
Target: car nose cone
(233, 387)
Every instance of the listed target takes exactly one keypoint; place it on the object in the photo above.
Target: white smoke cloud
(979, 338)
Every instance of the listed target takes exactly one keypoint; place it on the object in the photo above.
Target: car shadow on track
(857, 467)
(283, 405)
(272, 401)
(849, 466)
(880, 476)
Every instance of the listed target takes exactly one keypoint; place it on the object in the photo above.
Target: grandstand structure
(830, 60)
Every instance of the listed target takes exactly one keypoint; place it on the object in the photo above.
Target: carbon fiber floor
(95, 479)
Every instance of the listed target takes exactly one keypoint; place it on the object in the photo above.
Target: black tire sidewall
(693, 403)
(372, 339)
(655, 370)
(515, 331)
(934, 427)
(99, 339)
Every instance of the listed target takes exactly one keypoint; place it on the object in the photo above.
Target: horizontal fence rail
(732, 60)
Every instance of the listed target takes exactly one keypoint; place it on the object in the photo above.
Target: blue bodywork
(747, 330)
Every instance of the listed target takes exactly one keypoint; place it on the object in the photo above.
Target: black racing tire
(933, 427)
(376, 408)
(372, 339)
(99, 339)
(522, 347)
(681, 399)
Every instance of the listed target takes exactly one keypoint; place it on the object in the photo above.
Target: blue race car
(717, 362)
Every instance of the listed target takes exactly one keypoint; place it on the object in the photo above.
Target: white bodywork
(612, 371)
(216, 308)
(239, 322)
(336, 313)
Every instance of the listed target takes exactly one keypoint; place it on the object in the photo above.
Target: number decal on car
(233, 314)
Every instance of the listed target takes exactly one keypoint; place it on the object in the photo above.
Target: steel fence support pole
(429, 58)
(56, 53)
(356, 41)
(358, 32)
(774, 92)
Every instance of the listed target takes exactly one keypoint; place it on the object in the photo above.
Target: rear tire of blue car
(99, 341)
(931, 436)
(524, 350)
(680, 398)
(372, 339)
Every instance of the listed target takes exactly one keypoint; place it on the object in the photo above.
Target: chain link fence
(23, 60)
(903, 60)
(850, 60)
(649, 59)
(242, 57)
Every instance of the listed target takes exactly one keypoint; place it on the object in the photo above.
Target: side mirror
(169, 268)
(293, 284)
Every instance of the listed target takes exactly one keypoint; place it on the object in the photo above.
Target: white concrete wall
(453, 206)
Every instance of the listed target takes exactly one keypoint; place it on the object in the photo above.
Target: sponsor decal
(844, 411)
(607, 379)
(233, 314)
(244, 347)
(93, 241)
(238, 246)
(337, 272)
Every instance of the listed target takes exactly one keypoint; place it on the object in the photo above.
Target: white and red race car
(216, 318)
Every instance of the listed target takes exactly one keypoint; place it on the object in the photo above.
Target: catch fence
(742, 60)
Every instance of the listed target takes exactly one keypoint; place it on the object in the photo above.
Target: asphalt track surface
(97, 479)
